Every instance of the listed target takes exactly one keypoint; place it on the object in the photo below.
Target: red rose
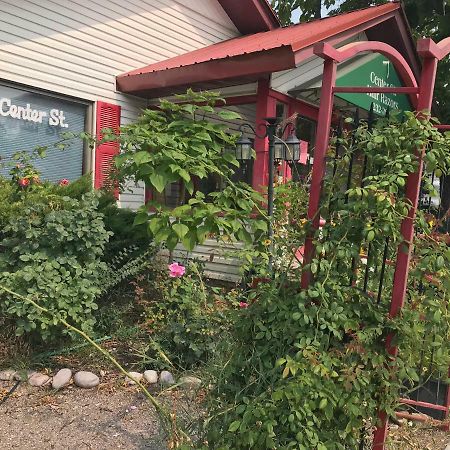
(23, 182)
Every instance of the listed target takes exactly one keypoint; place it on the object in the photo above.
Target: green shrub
(309, 368)
(185, 319)
(52, 252)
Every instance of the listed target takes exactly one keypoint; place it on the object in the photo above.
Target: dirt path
(116, 417)
(76, 419)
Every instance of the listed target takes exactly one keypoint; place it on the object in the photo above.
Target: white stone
(448, 446)
(190, 382)
(86, 380)
(62, 378)
(38, 379)
(7, 375)
(151, 376)
(136, 375)
(166, 378)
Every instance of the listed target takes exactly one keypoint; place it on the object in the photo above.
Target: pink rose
(176, 270)
(23, 182)
(63, 182)
(243, 305)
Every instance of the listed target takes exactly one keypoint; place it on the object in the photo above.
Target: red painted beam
(241, 100)
(303, 108)
(407, 401)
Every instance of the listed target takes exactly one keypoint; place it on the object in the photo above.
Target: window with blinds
(29, 119)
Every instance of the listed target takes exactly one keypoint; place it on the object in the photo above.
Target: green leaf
(234, 426)
(158, 181)
(155, 225)
(181, 229)
(183, 174)
(231, 159)
(190, 240)
(323, 403)
(229, 115)
(142, 157)
(172, 241)
(370, 235)
(141, 218)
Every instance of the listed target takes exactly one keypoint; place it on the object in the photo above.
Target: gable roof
(249, 58)
(251, 16)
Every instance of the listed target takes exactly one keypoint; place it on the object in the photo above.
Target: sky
(296, 13)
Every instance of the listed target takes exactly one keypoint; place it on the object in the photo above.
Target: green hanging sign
(378, 72)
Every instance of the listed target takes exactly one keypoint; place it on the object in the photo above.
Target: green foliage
(52, 252)
(176, 143)
(186, 320)
(221, 214)
(309, 368)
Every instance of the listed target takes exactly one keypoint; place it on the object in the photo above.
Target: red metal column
(447, 404)
(265, 107)
(426, 89)
(318, 171)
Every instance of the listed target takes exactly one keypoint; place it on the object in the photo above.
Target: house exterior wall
(77, 48)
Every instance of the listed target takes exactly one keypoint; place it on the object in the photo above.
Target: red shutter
(108, 116)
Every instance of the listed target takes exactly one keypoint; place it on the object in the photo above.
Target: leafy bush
(309, 369)
(185, 318)
(52, 252)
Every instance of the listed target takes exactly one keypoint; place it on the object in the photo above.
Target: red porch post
(322, 141)
(265, 107)
(426, 90)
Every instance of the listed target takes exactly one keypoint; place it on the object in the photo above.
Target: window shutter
(108, 116)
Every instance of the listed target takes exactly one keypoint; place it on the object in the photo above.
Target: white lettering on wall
(56, 117)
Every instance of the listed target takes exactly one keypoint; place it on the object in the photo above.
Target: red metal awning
(247, 58)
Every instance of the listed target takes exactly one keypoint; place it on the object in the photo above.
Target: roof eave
(236, 69)
(251, 16)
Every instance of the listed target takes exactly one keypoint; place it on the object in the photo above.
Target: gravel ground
(76, 419)
(117, 417)
(427, 436)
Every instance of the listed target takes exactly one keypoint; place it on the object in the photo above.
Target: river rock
(190, 382)
(166, 378)
(136, 375)
(7, 375)
(86, 380)
(61, 379)
(38, 379)
(151, 376)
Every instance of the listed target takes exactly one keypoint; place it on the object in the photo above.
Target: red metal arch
(427, 48)
(348, 51)
(422, 96)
